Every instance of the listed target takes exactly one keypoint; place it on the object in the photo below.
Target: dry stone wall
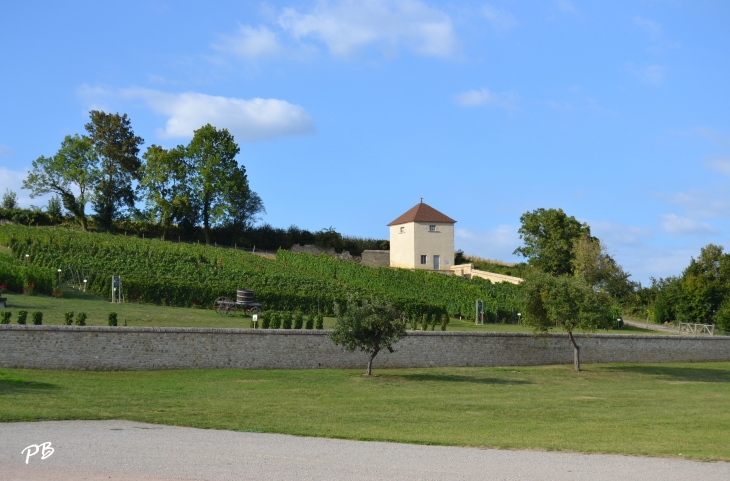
(139, 348)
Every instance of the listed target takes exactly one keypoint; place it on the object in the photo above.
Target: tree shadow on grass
(684, 374)
(18, 386)
(457, 378)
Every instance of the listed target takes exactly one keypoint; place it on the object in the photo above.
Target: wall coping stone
(315, 332)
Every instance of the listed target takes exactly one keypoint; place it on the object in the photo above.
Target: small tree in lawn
(370, 327)
(564, 302)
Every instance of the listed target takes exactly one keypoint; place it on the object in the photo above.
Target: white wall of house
(410, 241)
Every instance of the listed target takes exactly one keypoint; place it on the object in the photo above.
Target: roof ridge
(422, 212)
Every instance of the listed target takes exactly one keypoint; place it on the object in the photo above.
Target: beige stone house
(422, 238)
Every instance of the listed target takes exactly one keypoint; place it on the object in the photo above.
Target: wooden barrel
(245, 296)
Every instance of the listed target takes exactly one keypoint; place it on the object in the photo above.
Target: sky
(348, 112)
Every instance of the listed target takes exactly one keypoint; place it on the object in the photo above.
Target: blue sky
(348, 112)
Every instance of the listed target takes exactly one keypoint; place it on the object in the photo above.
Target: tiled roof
(422, 213)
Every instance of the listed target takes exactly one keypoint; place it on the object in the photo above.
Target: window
(432, 228)
(423, 259)
(402, 230)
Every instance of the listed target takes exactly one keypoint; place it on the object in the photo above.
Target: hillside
(180, 274)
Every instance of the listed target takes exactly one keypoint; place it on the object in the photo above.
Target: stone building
(422, 238)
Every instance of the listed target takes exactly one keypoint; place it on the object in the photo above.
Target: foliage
(564, 302)
(112, 319)
(54, 210)
(37, 318)
(275, 320)
(592, 262)
(22, 317)
(700, 295)
(265, 320)
(310, 321)
(117, 149)
(72, 173)
(26, 216)
(319, 324)
(81, 319)
(368, 326)
(10, 200)
(548, 235)
(298, 320)
(68, 318)
(16, 275)
(5, 317)
(286, 321)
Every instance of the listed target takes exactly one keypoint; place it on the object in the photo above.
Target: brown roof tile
(422, 213)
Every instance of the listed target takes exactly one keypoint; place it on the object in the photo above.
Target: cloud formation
(347, 27)
(677, 226)
(250, 43)
(484, 97)
(248, 120)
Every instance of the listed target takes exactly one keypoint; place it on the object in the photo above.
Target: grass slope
(150, 315)
(657, 410)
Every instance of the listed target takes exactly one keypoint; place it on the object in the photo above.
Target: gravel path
(130, 451)
(651, 327)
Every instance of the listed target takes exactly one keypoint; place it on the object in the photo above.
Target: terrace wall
(143, 348)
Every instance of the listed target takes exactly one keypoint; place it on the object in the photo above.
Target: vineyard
(184, 275)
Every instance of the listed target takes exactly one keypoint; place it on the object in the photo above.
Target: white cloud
(498, 243)
(248, 120)
(6, 151)
(349, 26)
(719, 164)
(476, 98)
(500, 19)
(677, 226)
(251, 43)
(652, 28)
(653, 74)
(713, 201)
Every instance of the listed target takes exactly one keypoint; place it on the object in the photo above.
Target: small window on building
(402, 230)
(423, 259)
(432, 228)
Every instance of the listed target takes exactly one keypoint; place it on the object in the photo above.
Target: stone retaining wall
(142, 348)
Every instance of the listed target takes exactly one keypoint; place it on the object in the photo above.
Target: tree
(117, 148)
(54, 211)
(590, 260)
(72, 174)
(564, 302)
(10, 200)
(212, 155)
(164, 185)
(243, 204)
(370, 327)
(548, 235)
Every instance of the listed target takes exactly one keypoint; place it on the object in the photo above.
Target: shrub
(68, 318)
(414, 322)
(112, 319)
(286, 322)
(265, 320)
(444, 322)
(298, 320)
(424, 323)
(432, 321)
(310, 321)
(320, 321)
(5, 317)
(37, 318)
(275, 320)
(22, 317)
(81, 319)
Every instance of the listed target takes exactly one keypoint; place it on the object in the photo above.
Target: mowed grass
(149, 315)
(680, 410)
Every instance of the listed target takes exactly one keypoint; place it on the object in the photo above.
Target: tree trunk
(84, 225)
(576, 352)
(370, 362)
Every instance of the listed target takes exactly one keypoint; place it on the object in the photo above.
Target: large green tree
(72, 174)
(243, 204)
(591, 260)
(548, 235)
(164, 184)
(564, 302)
(118, 149)
(212, 154)
(368, 326)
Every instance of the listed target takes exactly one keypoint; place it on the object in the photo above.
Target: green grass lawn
(647, 409)
(97, 310)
